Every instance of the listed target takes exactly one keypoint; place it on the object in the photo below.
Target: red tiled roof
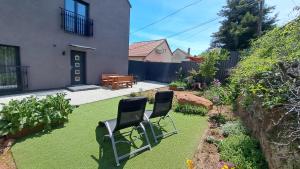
(144, 48)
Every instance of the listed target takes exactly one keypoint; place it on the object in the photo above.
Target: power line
(163, 18)
(192, 28)
(187, 30)
(194, 35)
(184, 31)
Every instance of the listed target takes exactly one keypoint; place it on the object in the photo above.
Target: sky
(144, 12)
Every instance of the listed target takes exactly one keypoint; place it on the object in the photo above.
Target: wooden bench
(106, 80)
(122, 81)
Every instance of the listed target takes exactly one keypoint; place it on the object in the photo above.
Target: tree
(208, 68)
(241, 24)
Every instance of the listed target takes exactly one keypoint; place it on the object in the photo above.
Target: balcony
(77, 24)
(13, 78)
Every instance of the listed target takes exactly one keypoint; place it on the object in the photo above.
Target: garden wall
(261, 121)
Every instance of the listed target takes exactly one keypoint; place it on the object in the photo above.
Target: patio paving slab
(89, 96)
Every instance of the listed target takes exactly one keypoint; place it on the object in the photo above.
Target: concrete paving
(89, 96)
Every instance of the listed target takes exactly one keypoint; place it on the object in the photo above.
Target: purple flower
(216, 83)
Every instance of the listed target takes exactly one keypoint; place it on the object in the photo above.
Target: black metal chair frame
(135, 126)
(162, 116)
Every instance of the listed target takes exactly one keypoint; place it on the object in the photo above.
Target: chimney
(189, 51)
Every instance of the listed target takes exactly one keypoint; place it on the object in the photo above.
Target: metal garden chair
(130, 114)
(162, 106)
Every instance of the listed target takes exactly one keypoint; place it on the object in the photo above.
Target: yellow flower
(225, 166)
(190, 164)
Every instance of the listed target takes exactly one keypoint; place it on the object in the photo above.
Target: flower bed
(227, 144)
(20, 118)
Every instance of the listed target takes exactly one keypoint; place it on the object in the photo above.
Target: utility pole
(260, 19)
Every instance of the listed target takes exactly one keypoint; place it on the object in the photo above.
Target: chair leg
(111, 136)
(115, 150)
(152, 130)
(113, 142)
(146, 136)
(168, 133)
(170, 118)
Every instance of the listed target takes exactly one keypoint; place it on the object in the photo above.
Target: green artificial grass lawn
(78, 145)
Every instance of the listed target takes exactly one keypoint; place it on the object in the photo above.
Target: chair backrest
(131, 112)
(162, 104)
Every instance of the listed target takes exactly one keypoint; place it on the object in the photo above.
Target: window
(9, 67)
(76, 17)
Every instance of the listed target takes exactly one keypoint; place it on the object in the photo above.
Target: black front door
(78, 67)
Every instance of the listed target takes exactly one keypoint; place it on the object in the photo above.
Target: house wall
(34, 26)
(179, 56)
(166, 56)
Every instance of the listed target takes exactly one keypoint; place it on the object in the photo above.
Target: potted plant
(177, 85)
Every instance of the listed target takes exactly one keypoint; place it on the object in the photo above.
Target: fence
(166, 72)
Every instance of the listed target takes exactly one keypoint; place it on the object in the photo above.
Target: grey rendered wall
(34, 26)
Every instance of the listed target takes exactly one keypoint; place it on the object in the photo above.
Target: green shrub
(133, 94)
(178, 84)
(266, 69)
(212, 140)
(218, 118)
(208, 68)
(220, 95)
(191, 109)
(243, 151)
(233, 128)
(31, 112)
(151, 99)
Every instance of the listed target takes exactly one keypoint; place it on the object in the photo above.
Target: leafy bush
(151, 98)
(31, 112)
(150, 95)
(266, 70)
(243, 151)
(218, 118)
(220, 95)
(133, 94)
(212, 140)
(191, 109)
(233, 128)
(177, 84)
(208, 68)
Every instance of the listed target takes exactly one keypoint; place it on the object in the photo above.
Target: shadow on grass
(106, 157)
(36, 133)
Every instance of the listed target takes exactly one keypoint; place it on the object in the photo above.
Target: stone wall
(260, 122)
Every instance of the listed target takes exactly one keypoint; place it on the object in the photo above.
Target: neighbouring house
(48, 44)
(180, 55)
(151, 51)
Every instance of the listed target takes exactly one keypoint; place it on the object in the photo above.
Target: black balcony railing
(75, 23)
(13, 78)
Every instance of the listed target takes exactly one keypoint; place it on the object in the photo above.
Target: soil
(6, 158)
(207, 155)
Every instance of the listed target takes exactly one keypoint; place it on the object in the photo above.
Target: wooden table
(120, 80)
